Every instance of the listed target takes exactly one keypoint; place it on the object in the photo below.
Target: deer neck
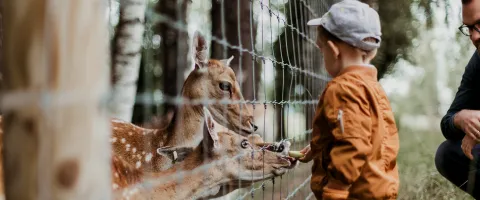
(194, 185)
(185, 126)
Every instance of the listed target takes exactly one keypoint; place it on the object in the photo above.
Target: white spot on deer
(134, 150)
(116, 175)
(113, 140)
(130, 133)
(115, 128)
(131, 192)
(115, 186)
(128, 145)
(148, 157)
(123, 140)
(138, 164)
(143, 152)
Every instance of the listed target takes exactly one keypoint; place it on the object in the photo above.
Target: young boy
(354, 140)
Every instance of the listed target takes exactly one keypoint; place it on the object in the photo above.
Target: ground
(418, 175)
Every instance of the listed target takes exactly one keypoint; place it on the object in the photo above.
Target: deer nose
(255, 127)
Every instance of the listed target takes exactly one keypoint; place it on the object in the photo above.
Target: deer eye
(225, 86)
(245, 144)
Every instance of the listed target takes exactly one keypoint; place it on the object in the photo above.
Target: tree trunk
(56, 126)
(1, 45)
(246, 69)
(126, 56)
(173, 48)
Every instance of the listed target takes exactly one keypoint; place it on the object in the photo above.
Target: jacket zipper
(340, 119)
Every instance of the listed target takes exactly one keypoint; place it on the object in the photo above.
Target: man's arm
(464, 99)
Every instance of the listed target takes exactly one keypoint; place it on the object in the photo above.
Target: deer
(222, 157)
(210, 79)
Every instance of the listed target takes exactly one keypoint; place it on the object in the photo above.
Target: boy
(354, 140)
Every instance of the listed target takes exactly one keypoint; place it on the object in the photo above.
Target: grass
(419, 178)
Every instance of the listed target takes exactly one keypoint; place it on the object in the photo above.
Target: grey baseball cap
(352, 21)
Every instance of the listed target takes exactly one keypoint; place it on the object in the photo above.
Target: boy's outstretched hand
(308, 155)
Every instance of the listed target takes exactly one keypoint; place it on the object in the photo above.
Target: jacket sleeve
(348, 113)
(464, 99)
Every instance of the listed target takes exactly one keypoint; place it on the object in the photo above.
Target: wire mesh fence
(275, 82)
(277, 64)
(270, 87)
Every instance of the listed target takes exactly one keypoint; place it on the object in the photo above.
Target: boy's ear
(334, 47)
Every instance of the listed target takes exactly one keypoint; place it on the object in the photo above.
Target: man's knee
(444, 151)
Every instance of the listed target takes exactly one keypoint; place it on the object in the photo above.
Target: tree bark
(126, 56)
(56, 126)
(243, 64)
(173, 48)
(1, 45)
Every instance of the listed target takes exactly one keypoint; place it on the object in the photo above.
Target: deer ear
(200, 50)
(227, 62)
(210, 133)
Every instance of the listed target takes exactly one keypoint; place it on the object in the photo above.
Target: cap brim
(315, 22)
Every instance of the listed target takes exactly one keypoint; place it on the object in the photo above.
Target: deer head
(231, 158)
(214, 79)
(247, 161)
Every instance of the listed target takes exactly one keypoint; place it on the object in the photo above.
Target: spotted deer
(210, 79)
(225, 156)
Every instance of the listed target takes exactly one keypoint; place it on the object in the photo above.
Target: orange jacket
(354, 139)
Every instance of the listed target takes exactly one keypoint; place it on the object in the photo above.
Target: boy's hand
(467, 145)
(308, 154)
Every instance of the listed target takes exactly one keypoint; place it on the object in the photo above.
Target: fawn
(230, 157)
(211, 79)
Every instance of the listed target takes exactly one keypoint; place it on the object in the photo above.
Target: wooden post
(56, 77)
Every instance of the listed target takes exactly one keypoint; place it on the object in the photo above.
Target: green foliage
(398, 32)
(400, 26)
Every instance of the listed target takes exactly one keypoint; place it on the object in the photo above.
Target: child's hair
(325, 35)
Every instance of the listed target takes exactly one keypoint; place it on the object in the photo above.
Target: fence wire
(287, 79)
(286, 74)
(283, 50)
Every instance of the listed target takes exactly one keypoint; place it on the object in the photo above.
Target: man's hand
(467, 145)
(469, 122)
(308, 154)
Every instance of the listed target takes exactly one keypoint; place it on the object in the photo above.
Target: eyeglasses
(467, 29)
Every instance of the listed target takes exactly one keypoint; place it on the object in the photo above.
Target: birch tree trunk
(56, 77)
(1, 43)
(126, 57)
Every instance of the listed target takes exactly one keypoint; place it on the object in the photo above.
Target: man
(457, 159)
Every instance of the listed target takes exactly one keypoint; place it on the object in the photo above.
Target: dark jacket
(467, 97)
